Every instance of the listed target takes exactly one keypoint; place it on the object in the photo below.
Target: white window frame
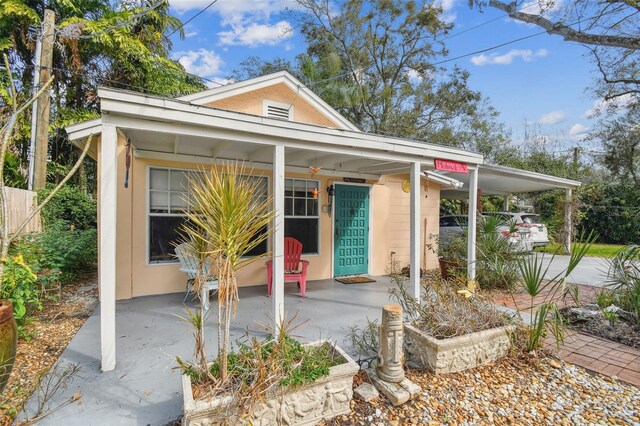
(266, 103)
(317, 216)
(148, 214)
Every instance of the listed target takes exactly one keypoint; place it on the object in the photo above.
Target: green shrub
(19, 285)
(60, 247)
(623, 280)
(70, 205)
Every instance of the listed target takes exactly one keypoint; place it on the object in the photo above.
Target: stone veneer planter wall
(457, 353)
(305, 405)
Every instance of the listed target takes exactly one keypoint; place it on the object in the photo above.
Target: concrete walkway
(591, 271)
(143, 389)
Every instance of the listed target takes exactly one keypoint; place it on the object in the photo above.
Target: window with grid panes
(302, 213)
(168, 192)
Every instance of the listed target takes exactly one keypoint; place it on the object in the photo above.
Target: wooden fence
(21, 203)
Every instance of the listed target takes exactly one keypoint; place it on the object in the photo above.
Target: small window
(301, 213)
(278, 110)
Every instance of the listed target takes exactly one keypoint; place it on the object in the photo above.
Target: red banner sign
(451, 166)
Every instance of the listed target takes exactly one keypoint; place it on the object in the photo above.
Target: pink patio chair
(292, 271)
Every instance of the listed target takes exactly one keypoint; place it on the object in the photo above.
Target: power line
(482, 24)
(466, 54)
(192, 18)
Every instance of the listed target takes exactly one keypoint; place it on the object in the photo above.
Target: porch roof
(176, 129)
(500, 180)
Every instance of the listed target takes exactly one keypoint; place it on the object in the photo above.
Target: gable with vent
(279, 110)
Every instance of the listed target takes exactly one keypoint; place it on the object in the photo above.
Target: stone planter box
(304, 405)
(457, 353)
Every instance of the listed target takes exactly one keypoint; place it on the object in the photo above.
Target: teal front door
(351, 230)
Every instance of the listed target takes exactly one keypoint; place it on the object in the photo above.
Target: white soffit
(499, 180)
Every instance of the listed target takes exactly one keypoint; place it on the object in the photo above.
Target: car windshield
(531, 218)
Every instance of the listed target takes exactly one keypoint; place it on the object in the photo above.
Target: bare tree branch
(568, 33)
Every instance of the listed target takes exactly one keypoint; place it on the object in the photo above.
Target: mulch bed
(514, 390)
(621, 331)
(50, 331)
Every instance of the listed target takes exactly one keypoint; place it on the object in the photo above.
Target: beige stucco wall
(390, 221)
(252, 103)
(146, 279)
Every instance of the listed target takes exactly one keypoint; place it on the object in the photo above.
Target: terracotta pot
(8, 341)
(448, 267)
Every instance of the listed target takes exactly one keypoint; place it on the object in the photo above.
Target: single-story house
(356, 201)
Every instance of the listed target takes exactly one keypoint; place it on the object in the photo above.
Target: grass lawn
(596, 250)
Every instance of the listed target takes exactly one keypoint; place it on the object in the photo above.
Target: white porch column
(107, 261)
(568, 226)
(277, 290)
(473, 210)
(414, 238)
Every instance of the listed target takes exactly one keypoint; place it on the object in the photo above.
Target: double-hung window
(302, 216)
(168, 191)
(168, 207)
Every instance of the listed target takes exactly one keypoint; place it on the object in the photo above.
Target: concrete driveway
(591, 270)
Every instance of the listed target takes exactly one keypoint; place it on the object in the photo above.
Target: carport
(505, 181)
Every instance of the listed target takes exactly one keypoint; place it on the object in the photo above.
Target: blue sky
(541, 81)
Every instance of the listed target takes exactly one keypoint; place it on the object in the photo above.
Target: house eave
(119, 103)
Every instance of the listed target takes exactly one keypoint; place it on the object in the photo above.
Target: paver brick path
(600, 355)
(590, 352)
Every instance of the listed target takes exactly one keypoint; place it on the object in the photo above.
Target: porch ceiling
(498, 180)
(186, 148)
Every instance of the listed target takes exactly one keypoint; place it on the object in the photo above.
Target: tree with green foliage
(620, 137)
(385, 50)
(122, 44)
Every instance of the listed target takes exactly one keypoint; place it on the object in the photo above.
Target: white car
(532, 223)
(453, 225)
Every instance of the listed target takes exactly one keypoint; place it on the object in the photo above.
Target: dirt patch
(49, 331)
(593, 322)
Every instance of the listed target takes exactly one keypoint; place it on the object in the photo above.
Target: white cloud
(448, 15)
(190, 34)
(202, 62)
(578, 129)
(599, 106)
(496, 59)
(553, 117)
(235, 7)
(254, 35)
(414, 76)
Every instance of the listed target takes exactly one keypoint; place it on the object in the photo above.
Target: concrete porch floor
(143, 389)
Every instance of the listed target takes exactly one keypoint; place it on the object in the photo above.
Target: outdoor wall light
(330, 192)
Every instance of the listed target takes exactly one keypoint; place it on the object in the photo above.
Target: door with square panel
(351, 230)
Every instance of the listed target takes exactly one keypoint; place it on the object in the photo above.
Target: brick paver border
(600, 355)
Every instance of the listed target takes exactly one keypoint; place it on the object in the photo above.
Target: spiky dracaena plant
(230, 216)
(201, 250)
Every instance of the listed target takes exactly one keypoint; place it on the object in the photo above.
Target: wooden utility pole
(44, 103)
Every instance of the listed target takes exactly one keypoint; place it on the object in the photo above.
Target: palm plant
(227, 218)
(623, 279)
(545, 315)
